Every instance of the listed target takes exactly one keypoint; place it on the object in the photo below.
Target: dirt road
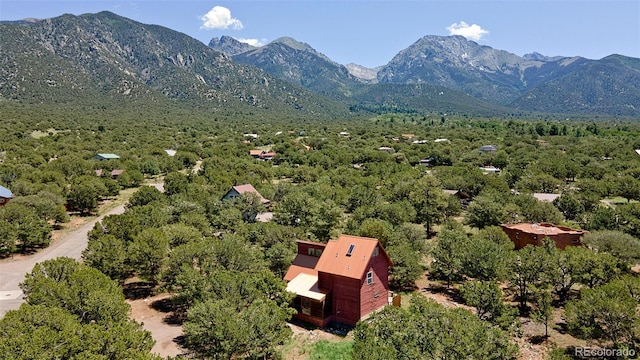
(13, 270)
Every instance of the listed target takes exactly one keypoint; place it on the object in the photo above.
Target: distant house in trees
(490, 170)
(106, 157)
(344, 280)
(488, 148)
(527, 233)
(463, 196)
(114, 173)
(385, 148)
(5, 195)
(546, 197)
(239, 190)
(262, 154)
(170, 152)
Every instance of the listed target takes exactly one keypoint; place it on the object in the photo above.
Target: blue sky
(370, 32)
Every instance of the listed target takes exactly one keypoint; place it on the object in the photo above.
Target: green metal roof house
(106, 157)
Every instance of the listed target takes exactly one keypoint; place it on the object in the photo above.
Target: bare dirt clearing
(156, 318)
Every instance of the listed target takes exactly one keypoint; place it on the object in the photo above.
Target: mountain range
(106, 56)
(534, 82)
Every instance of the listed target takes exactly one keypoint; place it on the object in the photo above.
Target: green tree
(148, 252)
(44, 332)
(569, 205)
(429, 201)
(279, 257)
(429, 331)
(531, 268)
(592, 269)
(175, 183)
(609, 311)
(484, 211)
(488, 300)
(109, 255)
(84, 197)
(83, 291)
(544, 310)
(406, 267)
(487, 255)
(448, 255)
(145, 195)
(8, 236)
(622, 246)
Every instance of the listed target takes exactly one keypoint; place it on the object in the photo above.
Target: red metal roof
(302, 264)
(334, 259)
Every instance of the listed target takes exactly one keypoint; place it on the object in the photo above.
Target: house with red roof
(344, 280)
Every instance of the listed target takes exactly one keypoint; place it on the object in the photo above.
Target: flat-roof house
(533, 234)
(106, 157)
(239, 190)
(5, 195)
(344, 280)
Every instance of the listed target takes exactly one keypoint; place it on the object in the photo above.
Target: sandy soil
(150, 312)
(532, 344)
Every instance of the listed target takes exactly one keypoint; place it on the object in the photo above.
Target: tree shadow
(176, 312)
(538, 339)
(451, 293)
(137, 290)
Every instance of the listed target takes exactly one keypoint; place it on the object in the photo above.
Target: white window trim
(370, 278)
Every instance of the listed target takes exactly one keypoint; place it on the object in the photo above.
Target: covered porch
(313, 305)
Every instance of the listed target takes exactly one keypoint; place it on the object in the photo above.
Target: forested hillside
(382, 177)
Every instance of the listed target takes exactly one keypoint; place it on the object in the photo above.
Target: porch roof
(306, 285)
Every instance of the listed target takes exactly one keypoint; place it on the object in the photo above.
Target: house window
(376, 251)
(318, 252)
(311, 252)
(306, 306)
(370, 278)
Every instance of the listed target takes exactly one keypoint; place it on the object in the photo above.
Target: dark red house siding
(375, 296)
(304, 246)
(345, 296)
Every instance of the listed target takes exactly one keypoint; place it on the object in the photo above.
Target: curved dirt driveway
(13, 270)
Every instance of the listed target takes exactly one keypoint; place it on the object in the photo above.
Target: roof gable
(349, 256)
(248, 188)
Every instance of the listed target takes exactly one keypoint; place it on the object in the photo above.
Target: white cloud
(219, 17)
(471, 32)
(254, 42)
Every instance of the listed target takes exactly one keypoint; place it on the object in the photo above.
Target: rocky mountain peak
(230, 46)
